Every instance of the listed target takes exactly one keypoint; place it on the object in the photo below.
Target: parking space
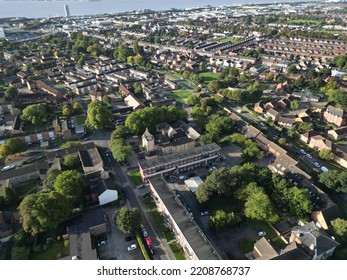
(117, 246)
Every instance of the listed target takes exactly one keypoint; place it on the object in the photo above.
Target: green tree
(214, 86)
(299, 203)
(43, 211)
(4, 151)
(258, 207)
(36, 113)
(120, 132)
(270, 76)
(120, 150)
(202, 194)
(77, 108)
(128, 220)
(67, 111)
(335, 180)
(15, 145)
(218, 124)
(10, 196)
(138, 89)
(221, 220)
(340, 228)
(48, 182)
(70, 144)
(282, 141)
(71, 184)
(206, 139)
(294, 105)
(72, 162)
(11, 93)
(220, 181)
(304, 126)
(106, 100)
(193, 100)
(98, 116)
(326, 154)
(20, 253)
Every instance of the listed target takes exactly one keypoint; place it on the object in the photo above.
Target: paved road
(164, 251)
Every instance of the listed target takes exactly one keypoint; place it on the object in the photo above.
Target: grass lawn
(177, 250)
(80, 119)
(209, 76)
(230, 39)
(136, 177)
(246, 245)
(223, 203)
(30, 128)
(57, 248)
(26, 189)
(61, 86)
(262, 226)
(303, 22)
(179, 94)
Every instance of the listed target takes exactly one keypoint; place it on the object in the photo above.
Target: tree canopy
(149, 117)
(340, 228)
(43, 211)
(36, 113)
(98, 116)
(71, 184)
(335, 180)
(13, 146)
(128, 220)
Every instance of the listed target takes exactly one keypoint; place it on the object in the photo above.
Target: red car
(148, 241)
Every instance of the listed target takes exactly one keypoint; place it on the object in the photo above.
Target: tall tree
(15, 145)
(98, 116)
(202, 194)
(48, 183)
(43, 211)
(340, 228)
(120, 150)
(258, 207)
(220, 181)
(128, 220)
(326, 154)
(35, 113)
(221, 220)
(71, 184)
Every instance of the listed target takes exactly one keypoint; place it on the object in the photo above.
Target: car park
(261, 233)
(132, 247)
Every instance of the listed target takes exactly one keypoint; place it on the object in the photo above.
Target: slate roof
(314, 238)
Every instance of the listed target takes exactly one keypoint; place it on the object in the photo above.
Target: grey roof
(90, 157)
(265, 248)
(314, 238)
(79, 235)
(187, 226)
(104, 184)
(335, 111)
(159, 161)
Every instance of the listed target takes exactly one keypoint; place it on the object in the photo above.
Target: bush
(66, 243)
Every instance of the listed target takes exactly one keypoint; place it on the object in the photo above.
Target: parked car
(8, 167)
(148, 241)
(128, 238)
(182, 177)
(261, 233)
(309, 156)
(144, 233)
(316, 164)
(205, 213)
(132, 247)
(102, 243)
(303, 151)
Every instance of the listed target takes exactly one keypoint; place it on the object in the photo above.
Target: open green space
(246, 245)
(25, 189)
(136, 177)
(53, 252)
(30, 128)
(303, 22)
(179, 94)
(230, 39)
(177, 250)
(262, 226)
(208, 76)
